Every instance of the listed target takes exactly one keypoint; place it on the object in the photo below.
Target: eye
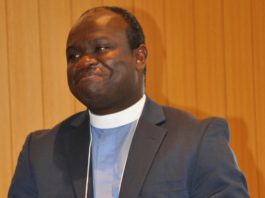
(71, 57)
(101, 49)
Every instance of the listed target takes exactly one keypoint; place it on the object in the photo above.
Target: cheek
(125, 76)
(117, 62)
(69, 72)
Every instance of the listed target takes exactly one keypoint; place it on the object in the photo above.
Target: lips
(88, 73)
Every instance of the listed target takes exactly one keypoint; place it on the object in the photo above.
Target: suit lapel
(145, 144)
(76, 142)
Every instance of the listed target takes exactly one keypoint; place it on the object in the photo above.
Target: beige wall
(206, 56)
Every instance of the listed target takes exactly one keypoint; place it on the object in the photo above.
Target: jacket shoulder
(174, 116)
(65, 124)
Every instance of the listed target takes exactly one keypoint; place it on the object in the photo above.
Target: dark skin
(104, 73)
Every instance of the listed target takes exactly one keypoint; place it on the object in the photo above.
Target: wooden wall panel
(180, 57)
(204, 56)
(5, 126)
(240, 86)
(25, 71)
(209, 58)
(55, 22)
(80, 6)
(153, 25)
(258, 20)
(127, 4)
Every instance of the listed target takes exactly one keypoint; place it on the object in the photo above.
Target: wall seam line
(41, 64)
(9, 89)
(195, 65)
(254, 90)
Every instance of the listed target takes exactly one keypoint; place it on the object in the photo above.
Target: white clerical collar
(120, 118)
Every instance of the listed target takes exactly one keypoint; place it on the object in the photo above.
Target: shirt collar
(120, 118)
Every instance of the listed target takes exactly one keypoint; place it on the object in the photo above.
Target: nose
(87, 61)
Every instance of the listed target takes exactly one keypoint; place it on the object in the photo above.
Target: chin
(90, 98)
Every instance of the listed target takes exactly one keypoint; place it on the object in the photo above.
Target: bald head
(134, 30)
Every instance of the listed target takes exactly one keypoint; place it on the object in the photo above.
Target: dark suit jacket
(172, 155)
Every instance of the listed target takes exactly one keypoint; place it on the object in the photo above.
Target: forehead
(98, 19)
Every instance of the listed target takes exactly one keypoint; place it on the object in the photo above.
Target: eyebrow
(71, 47)
(92, 41)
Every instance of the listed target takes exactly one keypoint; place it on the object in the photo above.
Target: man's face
(102, 69)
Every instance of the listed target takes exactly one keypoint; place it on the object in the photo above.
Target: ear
(141, 56)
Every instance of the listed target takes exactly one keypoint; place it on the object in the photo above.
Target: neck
(116, 107)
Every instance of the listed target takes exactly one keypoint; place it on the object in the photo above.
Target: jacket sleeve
(23, 184)
(216, 173)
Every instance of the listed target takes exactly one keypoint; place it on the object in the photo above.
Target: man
(125, 145)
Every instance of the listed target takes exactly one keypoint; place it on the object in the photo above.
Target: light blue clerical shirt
(111, 139)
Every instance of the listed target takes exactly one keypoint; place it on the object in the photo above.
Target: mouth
(91, 73)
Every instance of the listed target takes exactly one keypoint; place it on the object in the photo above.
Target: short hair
(134, 31)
